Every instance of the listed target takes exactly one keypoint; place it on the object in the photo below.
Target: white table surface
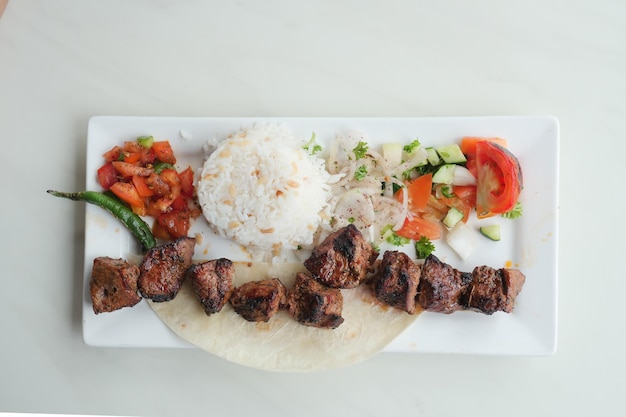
(64, 61)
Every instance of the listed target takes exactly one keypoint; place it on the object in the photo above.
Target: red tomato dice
(107, 175)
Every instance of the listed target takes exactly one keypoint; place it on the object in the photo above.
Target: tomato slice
(499, 181)
(159, 231)
(416, 227)
(468, 147)
(112, 154)
(142, 187)
(418, 191)
(175, 222)
(470, 164)
(186, 182)
(132, 147)
(128, 193)
(107, 175)
(466, 193)
(468, 143)
(180, 203)
(132, 158)
(163, 152)
(126, 169)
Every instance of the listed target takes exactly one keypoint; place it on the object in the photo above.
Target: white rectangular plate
(529, 243)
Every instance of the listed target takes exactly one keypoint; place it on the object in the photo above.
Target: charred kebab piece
(162, 270)
(212, 282)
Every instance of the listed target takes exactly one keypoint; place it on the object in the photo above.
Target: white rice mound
(261, 189)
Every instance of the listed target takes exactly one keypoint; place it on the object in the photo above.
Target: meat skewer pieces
(513, 280)
(162, 270)
(259, 300)
(441, 286)
(493, 290)
(314, 304)
(342, 259)
(113, 284)
(396, 281)
(212, 282)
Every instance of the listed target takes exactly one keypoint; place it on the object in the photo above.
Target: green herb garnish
(311, 146)
(408, 173)
(360, 173)
(360, 150)
(515, 212)
(426, 169)
(424, 247)
(160, 166)
(412, 146)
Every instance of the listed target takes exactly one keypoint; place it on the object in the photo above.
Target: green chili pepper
(133, 222)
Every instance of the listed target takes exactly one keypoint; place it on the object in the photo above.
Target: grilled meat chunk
(162, 270)
(441, 286)
(493, 290)
(314, 304)
(396, 281)
(342, 259)
(259, 300)
(212, 282)
(113, 284)
(513, 280)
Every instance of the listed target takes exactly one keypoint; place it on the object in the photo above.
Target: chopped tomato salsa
(142, 174)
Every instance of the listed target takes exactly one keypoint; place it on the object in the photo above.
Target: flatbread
(283, 344)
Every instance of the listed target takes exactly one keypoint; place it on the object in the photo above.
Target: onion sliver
(462, 176)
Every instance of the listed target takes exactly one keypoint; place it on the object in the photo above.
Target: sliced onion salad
(368, 201)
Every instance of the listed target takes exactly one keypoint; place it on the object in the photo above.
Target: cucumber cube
(451, 154)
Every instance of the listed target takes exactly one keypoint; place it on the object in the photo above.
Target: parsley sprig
(411, 146)
(360, 150)
(424, 247)
(360, 173)
(311, 146)
(515, 212)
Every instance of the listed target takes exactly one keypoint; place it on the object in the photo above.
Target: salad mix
(410, 193)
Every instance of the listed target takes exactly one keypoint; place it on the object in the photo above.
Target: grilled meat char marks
(493, 290)
(212, 282)
(342, 259)
(163, 269)
(441, 286)
(314, 304)
(259, 300)
(397, 280)
(113, 284)
(487, 290)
